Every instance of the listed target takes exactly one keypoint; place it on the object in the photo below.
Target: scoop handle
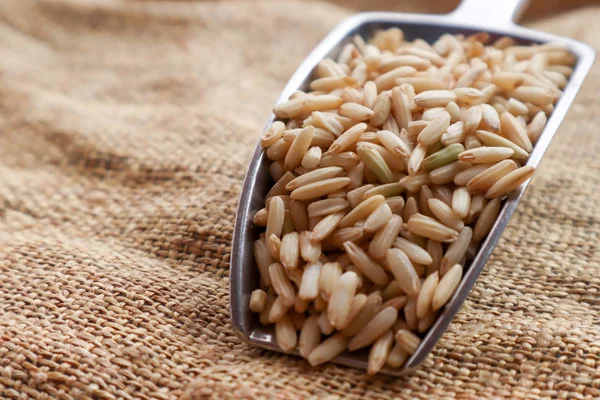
(495, 13)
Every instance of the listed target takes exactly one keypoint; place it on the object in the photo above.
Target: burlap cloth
(125, 132)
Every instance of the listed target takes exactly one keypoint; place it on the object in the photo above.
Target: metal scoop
(492, 16)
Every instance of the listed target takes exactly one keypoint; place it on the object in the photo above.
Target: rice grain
(312, 158)
(318, 189)
(275, 219)
(378, 218)
(289, 252)
(461, 201)
(366, 314)
(403, 271)
(415, 128)
(375, 162)
(515, 132)
(473, 118)
(355, 111)
(445, 214)
(427, 321)
(426, 295)
(346, 160)
(379, 352)
(323, 322)
(322, 103)
(347, 138)
(310, 336)
(285, 333)
(342, 295)
(309, 285)
(419, 63)
(392, 290)
(454, 134)
(410, 313)
(330, 83)
(535, 95)
(387, 80)
(350, 234)
(516, 108)
(510, 182)
(457, 250)
(492, 139)
(258, 300)
(366, 265)
(358, 303)
(408, 340)
(282, 285)
(328, 350)
(313, 177)
(356, 196)
(434, 130)
(396, 302)
(362, 211)
(272, 134)
(411, 208)
(447, 287)
(290, 108)
(298, 148)
(327, 206)
(330, 273)
(471, 75)
(467, 96)
(263, 260)
(277, 310)
(381, 109)
(483, 155)
(490, 117)
(443, 157)
(394, 143)
(414, 252)
(422, 225)
(481, 182)
(397, 356)
(536, 126)
(384, 238)
(400, 107)
(434, 98)
(443, 193)
(261, 217)
(387, 190)
(463, 177)
(424, 195)
(396, 204)
(413, 183)
(376, 328)
(486, 219)
(416, 159)
(445, 174)
(326, 226)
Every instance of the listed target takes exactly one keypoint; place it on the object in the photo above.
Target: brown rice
(389, 171)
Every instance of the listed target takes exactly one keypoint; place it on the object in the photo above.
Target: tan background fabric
(125, 132)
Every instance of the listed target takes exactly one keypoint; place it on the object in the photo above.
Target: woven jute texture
(125, 132)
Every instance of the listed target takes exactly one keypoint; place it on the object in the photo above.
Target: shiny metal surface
(493, 16)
